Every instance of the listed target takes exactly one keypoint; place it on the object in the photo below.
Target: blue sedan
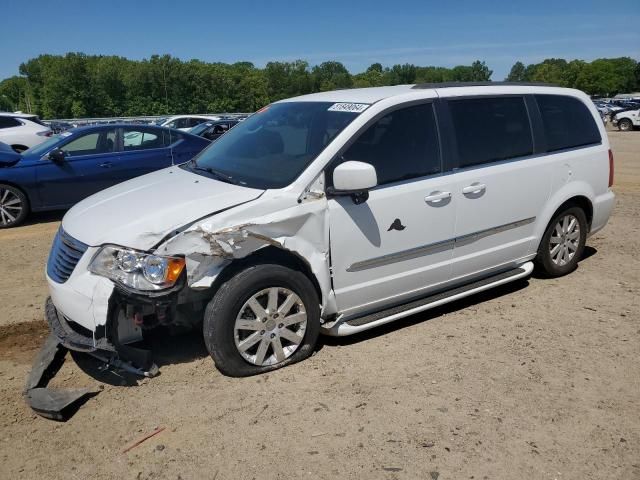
(68, 167)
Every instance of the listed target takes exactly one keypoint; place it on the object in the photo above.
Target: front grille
(66, 251)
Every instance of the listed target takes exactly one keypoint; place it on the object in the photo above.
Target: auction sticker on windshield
(349, 107)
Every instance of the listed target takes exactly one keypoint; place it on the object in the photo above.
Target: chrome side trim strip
(472, 237)
(400, 256)
(434, 247)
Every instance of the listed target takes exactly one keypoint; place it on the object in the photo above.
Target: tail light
(45, 133)
(610, 168)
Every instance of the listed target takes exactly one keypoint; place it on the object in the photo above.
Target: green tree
(517, 73)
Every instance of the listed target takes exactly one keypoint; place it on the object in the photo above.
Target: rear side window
(8, 122)
(169, 137)
(490, 129)
(134, 139)
(567, 122)
(400, 145)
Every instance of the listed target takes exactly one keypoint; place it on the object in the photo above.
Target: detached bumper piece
(59, 404)
(55, 404)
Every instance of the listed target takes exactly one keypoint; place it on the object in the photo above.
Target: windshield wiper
(214, 173)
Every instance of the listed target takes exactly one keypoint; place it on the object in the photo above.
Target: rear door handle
(436, 197)
(474, 188)
(106, 165)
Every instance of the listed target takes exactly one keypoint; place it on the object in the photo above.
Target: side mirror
(355, 179)
(57, 155)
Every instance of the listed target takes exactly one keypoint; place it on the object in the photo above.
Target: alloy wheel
(10, 207)
(270, 326)
(564, 240)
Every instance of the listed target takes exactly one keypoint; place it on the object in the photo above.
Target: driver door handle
(435, 197)
(106, 165)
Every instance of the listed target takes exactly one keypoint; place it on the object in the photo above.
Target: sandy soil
(535, 380)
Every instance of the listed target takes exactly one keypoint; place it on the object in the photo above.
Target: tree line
(79, 85)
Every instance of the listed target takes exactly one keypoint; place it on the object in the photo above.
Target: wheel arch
(268, 254)
(20, 146)
(574, 196)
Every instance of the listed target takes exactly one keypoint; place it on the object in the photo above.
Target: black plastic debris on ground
(55, 404)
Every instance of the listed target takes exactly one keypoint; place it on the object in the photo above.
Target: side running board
(356, 325)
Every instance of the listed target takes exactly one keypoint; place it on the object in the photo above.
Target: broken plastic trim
(52, 403)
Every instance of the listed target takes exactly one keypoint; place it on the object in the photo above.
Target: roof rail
(482, 84)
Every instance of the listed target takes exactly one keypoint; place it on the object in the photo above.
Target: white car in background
(22, 131)
(187, 122)
(627, 120)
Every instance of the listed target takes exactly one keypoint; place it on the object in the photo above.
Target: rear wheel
(19, 148)
(14, 206)
(263, 318)
(563, 242)
(625, 125)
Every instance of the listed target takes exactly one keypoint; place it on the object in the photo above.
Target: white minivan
(334, 212)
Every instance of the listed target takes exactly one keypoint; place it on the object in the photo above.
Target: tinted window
(35, 120)
(274, 145)
(401, 145)
(169, 137)
(490, 129)
(139, 139)
(567, 122)
(8, 122)
(92, 143)
(192, 122)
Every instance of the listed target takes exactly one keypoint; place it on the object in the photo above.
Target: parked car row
(622, 113)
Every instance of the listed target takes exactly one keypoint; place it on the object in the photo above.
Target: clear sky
(357, 33)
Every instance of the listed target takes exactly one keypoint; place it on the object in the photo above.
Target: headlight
(138, 270)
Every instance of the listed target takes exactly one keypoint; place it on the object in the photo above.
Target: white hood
(142, 211)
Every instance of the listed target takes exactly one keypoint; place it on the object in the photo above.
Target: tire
(14, 206)
(563, 242)
(625, 125)
(19, 148)
(242, 308)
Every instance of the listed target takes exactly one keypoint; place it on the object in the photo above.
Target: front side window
(490, 129)
(272, 147)
(567, 122)
(401, 145)
(91, 144)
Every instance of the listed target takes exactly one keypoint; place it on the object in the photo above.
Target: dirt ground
(536, 380)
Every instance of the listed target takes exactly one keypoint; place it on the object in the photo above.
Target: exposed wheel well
(269, 254)
(19, 148)
(579, 201)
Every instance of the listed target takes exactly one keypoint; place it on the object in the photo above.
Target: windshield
(45, 146)
(198, 129)
(273, 146)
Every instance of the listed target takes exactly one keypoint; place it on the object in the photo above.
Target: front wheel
(14, 206)
(264, 317)
(625, 125)
(563, 242)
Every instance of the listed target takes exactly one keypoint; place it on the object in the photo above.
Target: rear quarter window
(567, 122)
(9, 122)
